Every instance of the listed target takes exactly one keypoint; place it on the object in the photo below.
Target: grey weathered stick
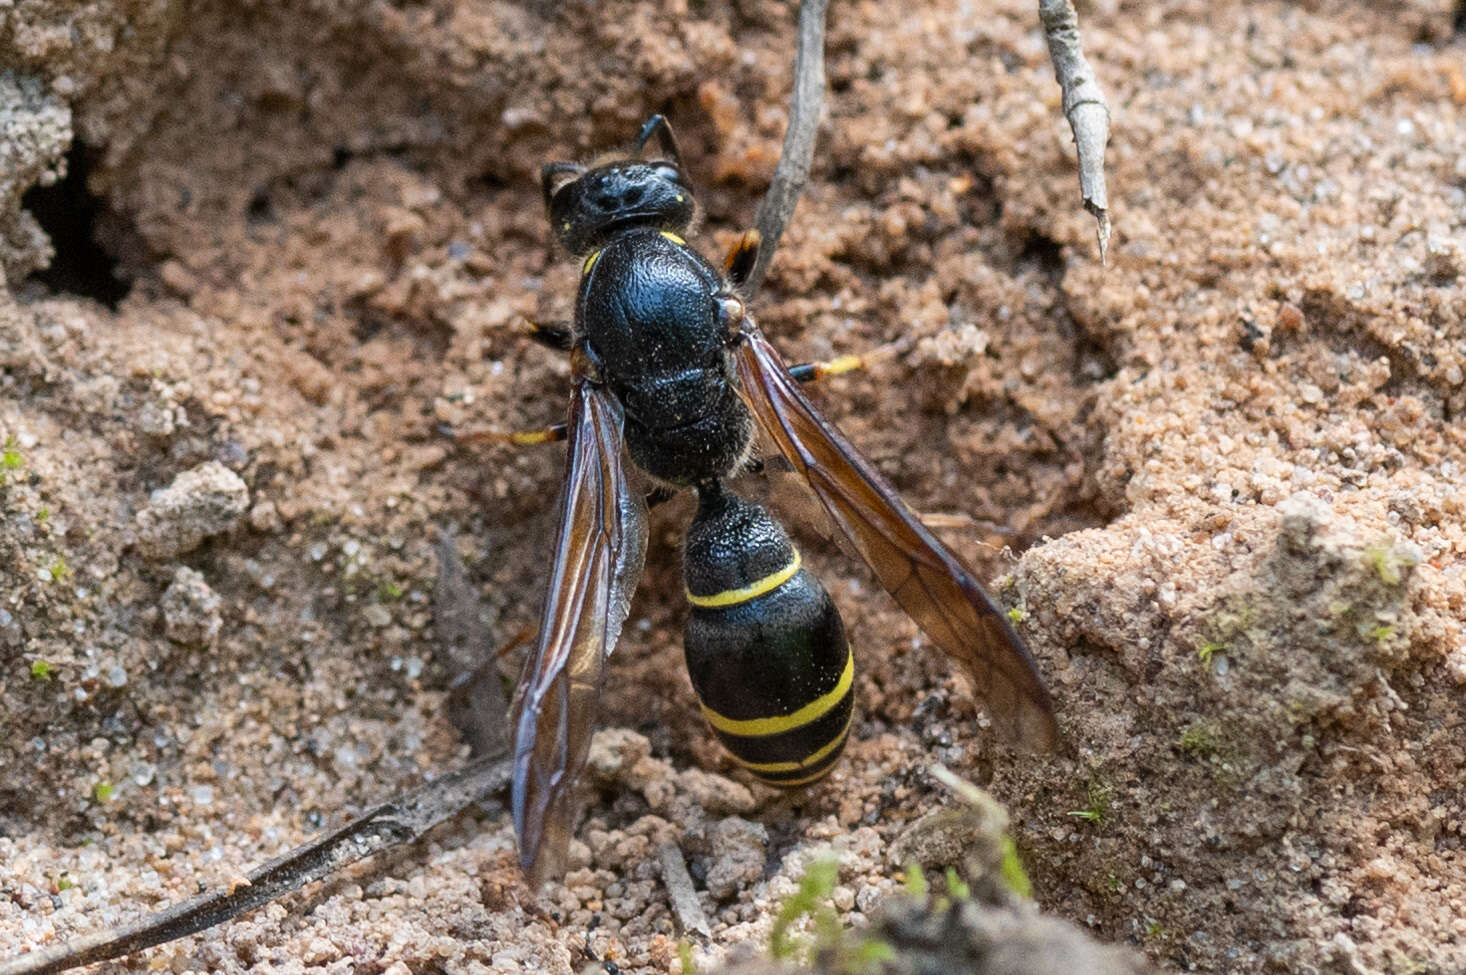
(1084, 107)
(683, 895)
(805, 106)
(394, 823)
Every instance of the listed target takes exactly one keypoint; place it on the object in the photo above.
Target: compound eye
(668, 172)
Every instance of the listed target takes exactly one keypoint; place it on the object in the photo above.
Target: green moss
(59, 570)
(684, 952)
(838, 950)
(64, 882)
(1207, 650)
(1389, 561)
(41, 670)
(1017, 615)
(916, 881)
(103, 791)
(1012, 872)
(1199, 739)
(814, 890)
(388, 591)
(1381, 633)
(1098, 807)
(10, 458)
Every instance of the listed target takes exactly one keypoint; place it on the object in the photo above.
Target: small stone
(191, 610)
(204, 501)
(1456, 665)
(1304, 516)
(947, 837)
(264, 517)
(716, 794)
(740, 850)
(615, 751)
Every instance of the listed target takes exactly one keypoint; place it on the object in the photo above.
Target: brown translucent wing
(922, 574)
(598, 557)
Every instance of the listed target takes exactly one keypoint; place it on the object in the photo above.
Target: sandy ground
(1230, 462)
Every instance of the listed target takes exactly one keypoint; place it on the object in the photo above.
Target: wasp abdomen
(765, 645)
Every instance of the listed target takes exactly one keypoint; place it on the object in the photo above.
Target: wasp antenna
(551, 177)
(665, 139)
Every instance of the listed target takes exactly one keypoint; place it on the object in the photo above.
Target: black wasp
(669, 369)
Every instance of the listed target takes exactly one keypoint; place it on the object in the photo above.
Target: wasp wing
(598, 558)
(922, 574)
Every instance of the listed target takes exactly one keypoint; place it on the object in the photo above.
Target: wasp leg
(659, 495)
(742, 257)
(555, 175)
(769, 464)
(810, 372)
(552, 335)
(519, 438)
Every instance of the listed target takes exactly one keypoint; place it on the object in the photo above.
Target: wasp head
(588, 206)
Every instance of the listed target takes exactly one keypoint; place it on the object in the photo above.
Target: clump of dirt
(1230, 460)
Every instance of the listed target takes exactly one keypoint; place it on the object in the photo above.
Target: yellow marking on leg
(732, 597)
(839, 364)
(777, 725)
(810, 760)
(674, 238)
(590, 262)
(529, 438)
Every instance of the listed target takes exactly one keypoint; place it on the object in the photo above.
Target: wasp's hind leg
(808, 372)
(519, 438)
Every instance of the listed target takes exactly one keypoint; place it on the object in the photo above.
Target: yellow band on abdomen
(732, 597)
(808, 761)
(813, 711)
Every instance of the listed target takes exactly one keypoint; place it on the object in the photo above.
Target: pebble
(207, 500)
(191, 609)
(740, 849)
(614, 751)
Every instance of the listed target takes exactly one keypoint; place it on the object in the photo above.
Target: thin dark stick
(805, 105)
(391, 824)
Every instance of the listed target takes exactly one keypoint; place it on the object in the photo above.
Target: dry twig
(805, 106)
(1084, 107)
(391, 824)
(681, 893)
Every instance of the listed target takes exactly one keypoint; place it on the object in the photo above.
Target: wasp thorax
(586, 210)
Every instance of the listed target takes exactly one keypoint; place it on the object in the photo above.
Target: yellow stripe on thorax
(590, 261)
(674, 238)
(732, 597)
(813, 711)
(806, 762)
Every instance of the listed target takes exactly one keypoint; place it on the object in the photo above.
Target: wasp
(671, 374)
